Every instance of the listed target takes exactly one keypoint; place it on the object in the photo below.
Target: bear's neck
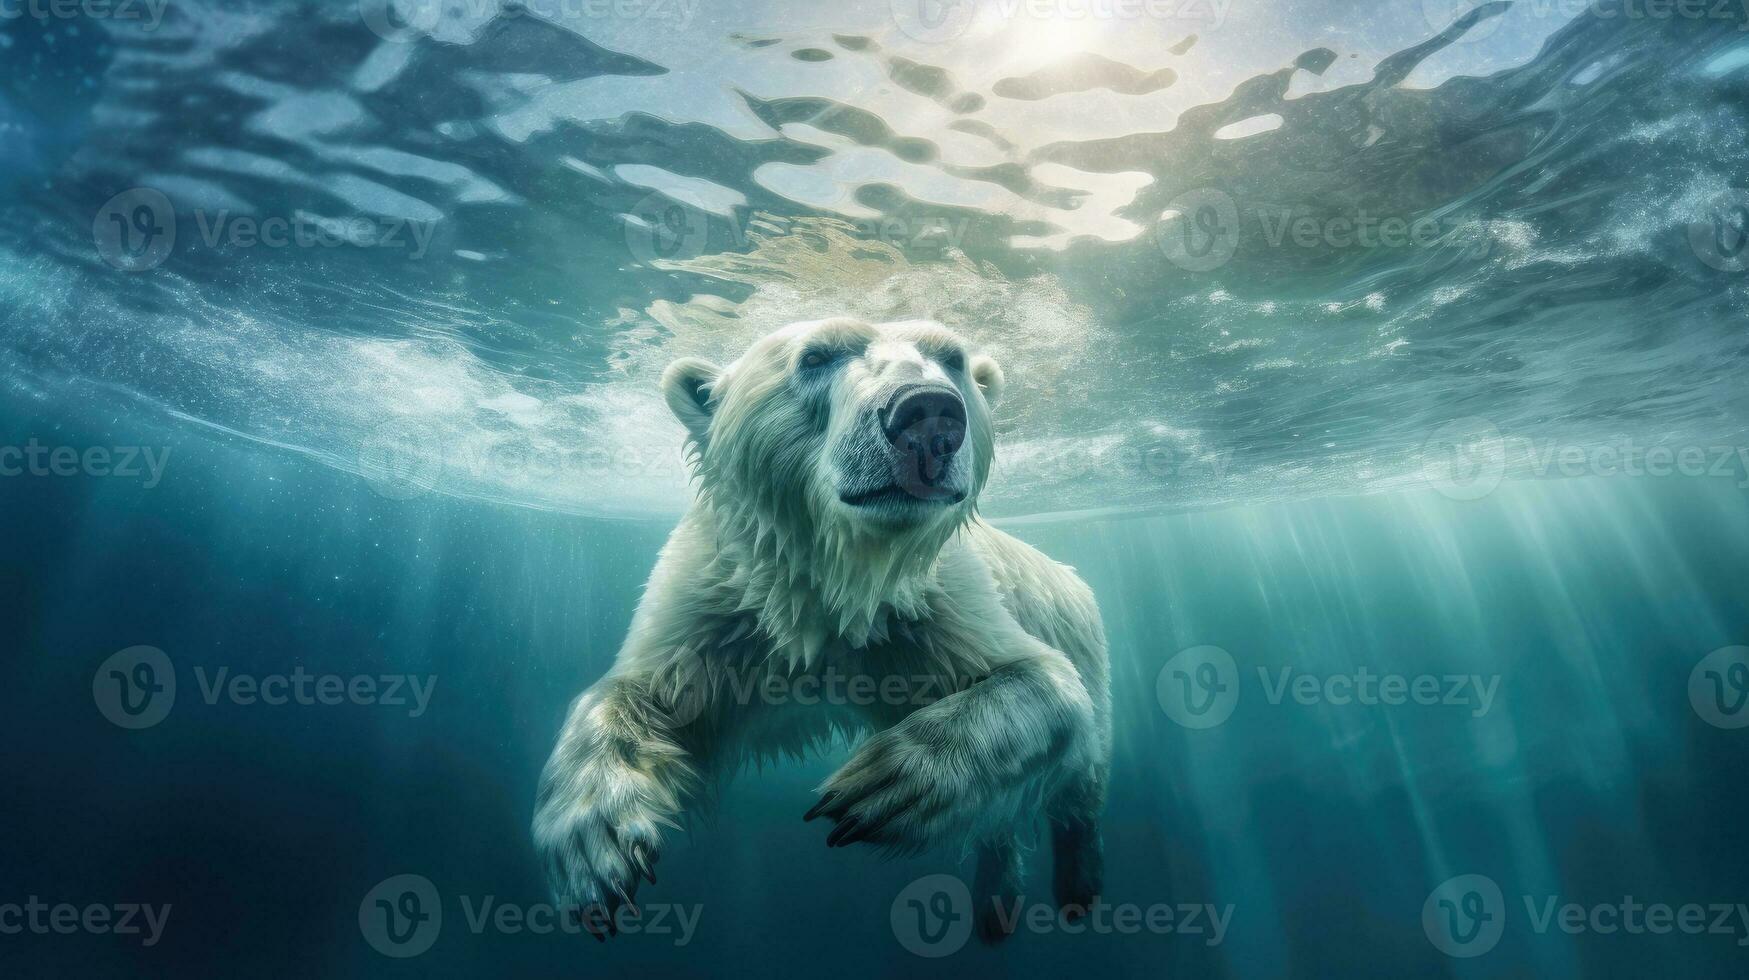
(812, 586)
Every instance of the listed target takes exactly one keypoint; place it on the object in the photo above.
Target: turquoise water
(1344, 341)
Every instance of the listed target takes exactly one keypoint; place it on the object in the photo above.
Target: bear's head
(854, 449)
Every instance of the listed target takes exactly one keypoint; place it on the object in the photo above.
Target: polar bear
(832, 580)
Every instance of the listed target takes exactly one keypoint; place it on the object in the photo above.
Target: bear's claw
(888, 795)
(820, 807)
(596, 859)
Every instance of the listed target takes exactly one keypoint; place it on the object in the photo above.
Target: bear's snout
(926, 424)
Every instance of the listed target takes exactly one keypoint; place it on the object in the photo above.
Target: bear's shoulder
(1046, 597)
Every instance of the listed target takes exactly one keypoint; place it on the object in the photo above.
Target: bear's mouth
(893, 494)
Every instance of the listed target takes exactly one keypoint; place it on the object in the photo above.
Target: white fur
(771, 578)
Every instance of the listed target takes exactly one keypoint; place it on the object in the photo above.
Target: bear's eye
(816, 359)
(954, 361)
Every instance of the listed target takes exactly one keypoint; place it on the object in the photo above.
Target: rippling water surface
(1227, 252)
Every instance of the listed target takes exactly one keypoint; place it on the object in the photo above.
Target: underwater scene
(469, 470)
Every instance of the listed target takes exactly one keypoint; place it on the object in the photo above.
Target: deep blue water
(1427, 459)
(1324, 827)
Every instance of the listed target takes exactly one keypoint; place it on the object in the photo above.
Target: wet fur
(768, 576)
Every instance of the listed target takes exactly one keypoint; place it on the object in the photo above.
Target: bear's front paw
(898, 792)
(594, 847)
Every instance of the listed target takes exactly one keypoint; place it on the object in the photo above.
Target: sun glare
(1030, 40)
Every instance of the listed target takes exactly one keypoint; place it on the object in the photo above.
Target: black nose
(926, 424)
(935, 408)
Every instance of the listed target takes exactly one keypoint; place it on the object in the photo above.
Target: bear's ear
(686, 386)
(988, 374)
